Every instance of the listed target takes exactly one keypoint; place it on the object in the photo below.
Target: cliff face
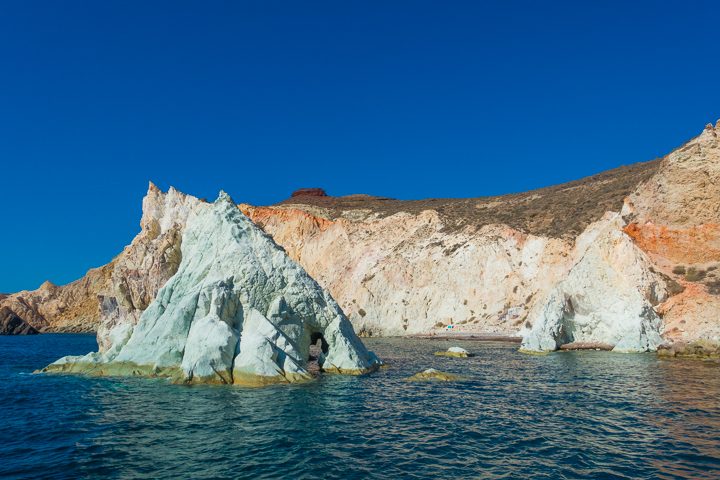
(620, 259)
(675, 218)
(403, 274)
(594, 262)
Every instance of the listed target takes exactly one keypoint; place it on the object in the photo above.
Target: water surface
(566, 415)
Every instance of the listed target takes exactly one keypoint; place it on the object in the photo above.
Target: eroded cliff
(621, 259)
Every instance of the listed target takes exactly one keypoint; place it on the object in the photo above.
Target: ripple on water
(567, 415)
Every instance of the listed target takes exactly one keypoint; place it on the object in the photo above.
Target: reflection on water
(566, 415)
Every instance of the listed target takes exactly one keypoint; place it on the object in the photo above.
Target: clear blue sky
(407, 99)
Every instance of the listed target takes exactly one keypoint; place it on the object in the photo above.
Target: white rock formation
(606, 298)
(238, 310)
(148, 262)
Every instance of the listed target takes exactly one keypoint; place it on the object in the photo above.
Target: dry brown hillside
(558, 211)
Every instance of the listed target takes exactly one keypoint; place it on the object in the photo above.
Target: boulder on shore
(586, 346)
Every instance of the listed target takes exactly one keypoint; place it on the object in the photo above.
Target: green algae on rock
(434, 375)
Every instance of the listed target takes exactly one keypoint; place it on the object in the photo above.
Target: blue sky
(407, 99)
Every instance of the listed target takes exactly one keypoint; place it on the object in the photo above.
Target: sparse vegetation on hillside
(694, 275)
(558, 211)
(679, 270)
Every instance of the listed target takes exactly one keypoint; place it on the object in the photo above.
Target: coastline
(479, 337)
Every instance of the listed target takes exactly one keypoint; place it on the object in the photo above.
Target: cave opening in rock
(566, 329)
(323, 347)
(318, 346)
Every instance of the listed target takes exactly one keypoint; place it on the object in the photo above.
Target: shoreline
(478, 337)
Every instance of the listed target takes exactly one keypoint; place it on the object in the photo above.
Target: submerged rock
(238, 311)
(699, 349)
(607, 297)
(454, 352)
(586, 346)
(432, 374)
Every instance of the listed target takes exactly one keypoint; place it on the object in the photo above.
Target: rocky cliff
(622, 259)
(618, 260)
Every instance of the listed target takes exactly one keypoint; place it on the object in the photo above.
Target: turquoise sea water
(566, 415)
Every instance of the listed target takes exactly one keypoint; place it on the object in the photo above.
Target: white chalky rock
(458, 350)
(238, 310)
(607, 297)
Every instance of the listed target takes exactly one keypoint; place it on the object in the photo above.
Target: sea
(570, 415)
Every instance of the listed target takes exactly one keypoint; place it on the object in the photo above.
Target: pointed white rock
(607, 297)
(238, 310)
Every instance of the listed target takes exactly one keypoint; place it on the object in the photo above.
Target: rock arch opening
(318, 347)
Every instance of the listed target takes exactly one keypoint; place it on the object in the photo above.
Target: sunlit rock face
(607, 297)
(648, 274)
(509, 266)
(675, 218)
(406, 274)
(238, 310)
(121, 289)
(147, 263)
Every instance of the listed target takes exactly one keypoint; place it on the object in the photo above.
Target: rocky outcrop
(11, 324)
(121, 289)
(237, 310)
(309, 192)
(675, 218)
(454, 352)
(701, 349)
(147, 263)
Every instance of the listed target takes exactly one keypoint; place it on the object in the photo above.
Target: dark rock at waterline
(698, 349)
(586, 346)
(11, 324)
